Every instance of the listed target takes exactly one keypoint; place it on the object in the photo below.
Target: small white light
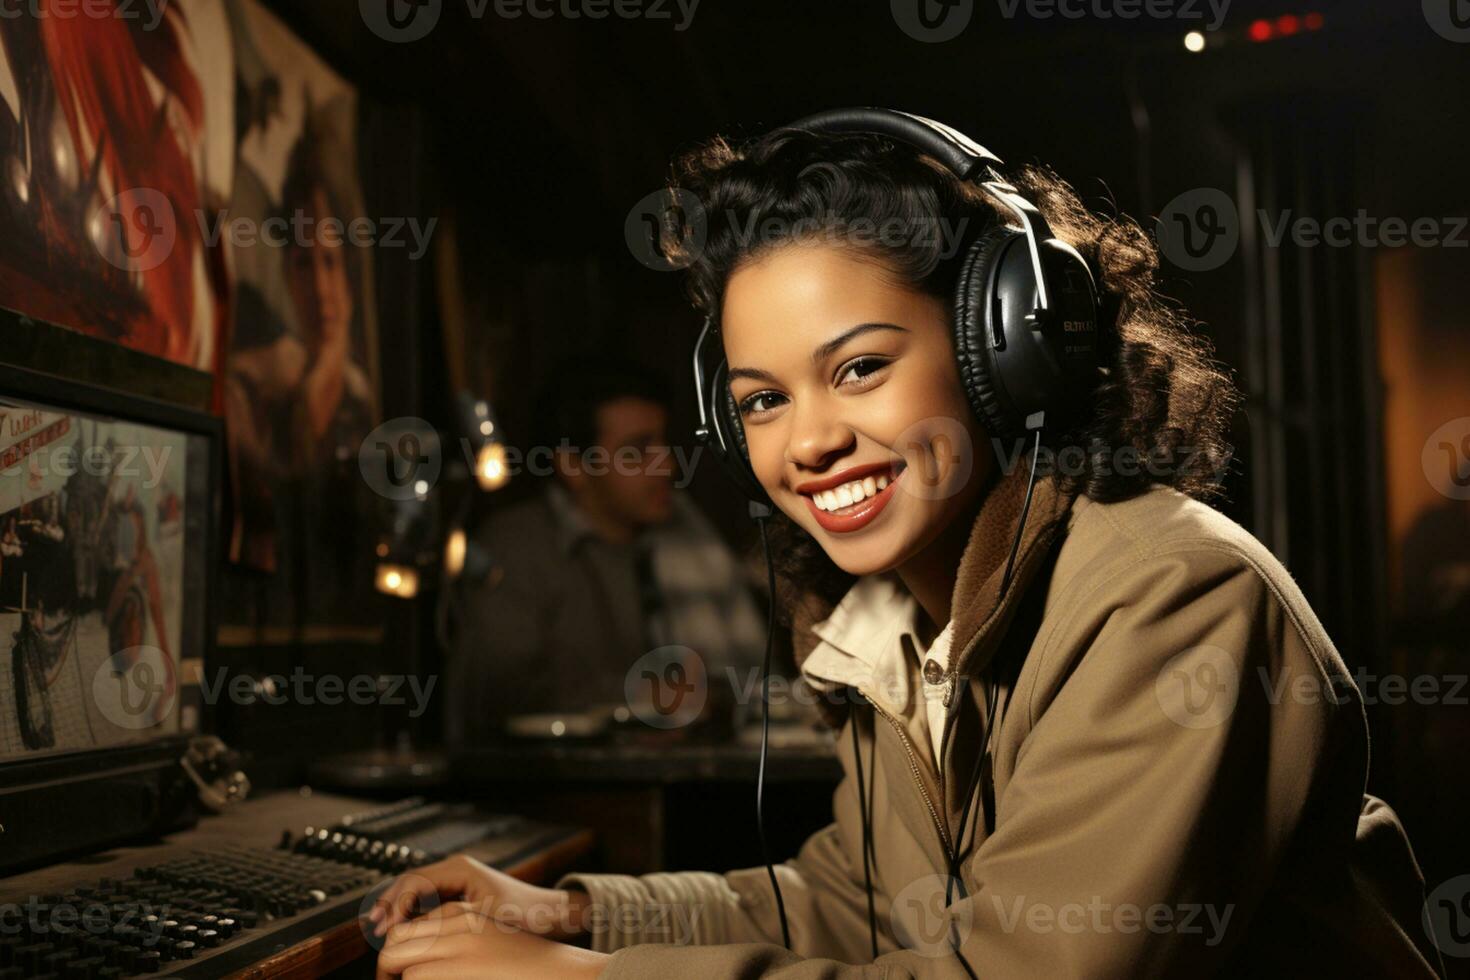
(487, 427)
(558, 728)
(393, 580)
(421, 488)
(1194, 41)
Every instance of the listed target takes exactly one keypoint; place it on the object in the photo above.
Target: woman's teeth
(850, 493)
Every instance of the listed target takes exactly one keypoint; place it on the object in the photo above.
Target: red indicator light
(1260, 30)
(1287, 24)
(1313, 22)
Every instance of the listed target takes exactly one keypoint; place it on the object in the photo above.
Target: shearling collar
(978, 613)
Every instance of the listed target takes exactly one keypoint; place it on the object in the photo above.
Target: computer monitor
(108, 521)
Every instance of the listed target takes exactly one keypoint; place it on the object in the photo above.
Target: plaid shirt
(564, 618)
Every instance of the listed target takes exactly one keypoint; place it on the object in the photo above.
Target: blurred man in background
(607, 564)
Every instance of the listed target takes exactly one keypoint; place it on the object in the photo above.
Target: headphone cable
(1005, 581)
(992, 695)
(760, 778)
(857, 755)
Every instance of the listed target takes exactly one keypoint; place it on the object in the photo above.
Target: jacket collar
(573, 530)
(979, 612)
(571, 527)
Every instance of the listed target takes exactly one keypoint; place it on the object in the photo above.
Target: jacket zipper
(908, 747)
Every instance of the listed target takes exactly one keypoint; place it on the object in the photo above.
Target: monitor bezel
(68, 395)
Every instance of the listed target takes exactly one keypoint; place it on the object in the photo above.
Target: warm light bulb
(454, 552)
(1194, 41)
(490, 468)
(398, 580)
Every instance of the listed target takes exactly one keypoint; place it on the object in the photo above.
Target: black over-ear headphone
(1025, 310)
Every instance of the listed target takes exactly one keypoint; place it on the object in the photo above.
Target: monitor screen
(104, 524)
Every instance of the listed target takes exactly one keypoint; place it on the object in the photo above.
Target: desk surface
(315, 941)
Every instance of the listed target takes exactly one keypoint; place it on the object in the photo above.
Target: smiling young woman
(1090, 665)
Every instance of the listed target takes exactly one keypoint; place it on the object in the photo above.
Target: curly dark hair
(1161, 394)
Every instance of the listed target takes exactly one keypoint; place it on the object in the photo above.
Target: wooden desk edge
(346, 943)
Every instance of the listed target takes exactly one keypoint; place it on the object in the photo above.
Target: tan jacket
(1178, 776)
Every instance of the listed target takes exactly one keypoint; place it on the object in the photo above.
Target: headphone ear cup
(973, 303)
(727, 417)
(730, 420)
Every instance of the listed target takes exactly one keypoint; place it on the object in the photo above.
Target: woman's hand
(479, 889)
(454, 941)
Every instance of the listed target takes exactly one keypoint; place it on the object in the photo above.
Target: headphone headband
(962, 156)
(965, 158)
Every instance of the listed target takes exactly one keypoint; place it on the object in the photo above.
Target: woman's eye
(860, 370)
(761, 401)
